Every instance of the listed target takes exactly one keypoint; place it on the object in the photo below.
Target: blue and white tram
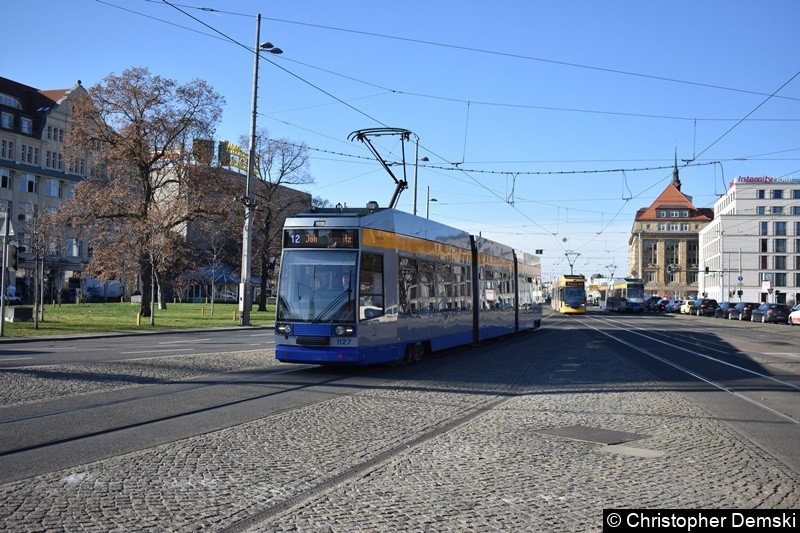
(366, 286)
(624, 294)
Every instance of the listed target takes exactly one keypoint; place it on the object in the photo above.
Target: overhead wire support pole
(245, 296)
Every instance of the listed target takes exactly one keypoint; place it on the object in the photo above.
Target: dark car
(650, 303)
(724, 309)
(742, 311)
(703, 307)
(661, 305)
(778, 313)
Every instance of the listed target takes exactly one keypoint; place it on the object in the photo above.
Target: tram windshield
(635, 293)
(574, 296)
(317, 286)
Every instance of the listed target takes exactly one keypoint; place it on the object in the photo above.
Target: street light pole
(245, 296)
(428, 201)
(245, 290)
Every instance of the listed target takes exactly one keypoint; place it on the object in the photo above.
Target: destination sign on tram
(320, 238)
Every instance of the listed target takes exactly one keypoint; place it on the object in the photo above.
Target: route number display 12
(320, 238)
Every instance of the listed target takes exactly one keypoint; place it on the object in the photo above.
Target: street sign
(741, 278)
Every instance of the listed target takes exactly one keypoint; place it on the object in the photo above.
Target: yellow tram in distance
(569, 295)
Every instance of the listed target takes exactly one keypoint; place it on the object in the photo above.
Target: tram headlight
(344, 331)
(285, 329)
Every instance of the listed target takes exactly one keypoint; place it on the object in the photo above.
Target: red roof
(673, 198)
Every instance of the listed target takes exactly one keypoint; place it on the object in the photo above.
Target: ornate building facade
(664, 248)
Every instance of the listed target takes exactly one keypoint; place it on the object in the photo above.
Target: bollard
(202, 311)
(235, 316)
(138, 319)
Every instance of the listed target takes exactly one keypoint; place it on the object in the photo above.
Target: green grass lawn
(110, 317)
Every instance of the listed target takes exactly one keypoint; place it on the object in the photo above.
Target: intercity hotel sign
(765, 179)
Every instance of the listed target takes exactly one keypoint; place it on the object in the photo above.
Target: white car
(794, 316)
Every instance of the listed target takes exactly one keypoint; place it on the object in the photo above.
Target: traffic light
(669, 269)
(12, 256)
(706, 270)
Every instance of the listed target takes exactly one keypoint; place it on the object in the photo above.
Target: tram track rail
(141, 412)
(701, 371)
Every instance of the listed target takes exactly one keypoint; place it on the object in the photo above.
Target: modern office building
(751, 249)
(663, 248)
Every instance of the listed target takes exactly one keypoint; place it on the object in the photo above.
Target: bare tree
(42, 236)
(281, 164)
(145, 184)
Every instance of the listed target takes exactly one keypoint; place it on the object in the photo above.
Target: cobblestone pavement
(464, 447)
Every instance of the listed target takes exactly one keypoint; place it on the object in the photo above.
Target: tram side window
(408, 285)
(371, 291)
(462, 287)
(444, 286)
(427, 286)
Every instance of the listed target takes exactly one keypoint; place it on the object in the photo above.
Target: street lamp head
(424, 158)
(269, 47)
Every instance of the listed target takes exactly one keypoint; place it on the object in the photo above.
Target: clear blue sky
(537, 100)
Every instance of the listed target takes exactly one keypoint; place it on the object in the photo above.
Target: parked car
(742, 311)
(686, 306)
(794, 316)
(650, 303)
(724, 309)
(674, 306)
(703, 307)
(661, 305)
(778, 313)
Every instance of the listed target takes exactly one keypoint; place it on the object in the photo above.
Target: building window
(776, 210)
(7, 149)
(28, 183)
(73, 248)
(777, 193)
(651, 277)
(693, 253)
(780, 246)
(764, 228)
(763, 262)
(26, 125)
(7, 120)
(692, 278)
(796, 194)
(780, 262)
(763, 245)
(52, 188)
(780, 279)
(650, 252)
(796, 209)
(760, 194)
(5, 178)
(761, 210)
(780, 228)
(671, 252)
